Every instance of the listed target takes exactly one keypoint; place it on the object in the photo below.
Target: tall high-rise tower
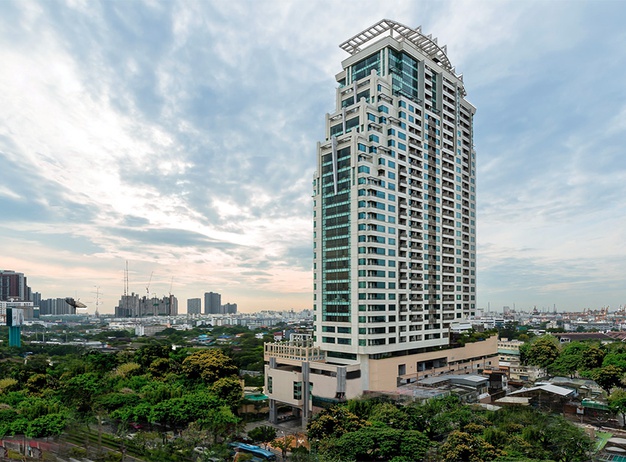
(394, 230)
(212, 303)
(14, 286)
(394, 200)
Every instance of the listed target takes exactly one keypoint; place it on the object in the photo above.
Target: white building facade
(395, 199)
(394, 215)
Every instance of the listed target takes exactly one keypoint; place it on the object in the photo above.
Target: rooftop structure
(399, 32)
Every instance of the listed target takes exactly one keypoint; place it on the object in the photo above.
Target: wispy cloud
(181, 136)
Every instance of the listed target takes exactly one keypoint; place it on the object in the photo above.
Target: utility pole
(126, 290)
(148, 289)
(97, 313)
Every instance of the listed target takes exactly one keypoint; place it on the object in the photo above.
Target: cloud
(181, 136)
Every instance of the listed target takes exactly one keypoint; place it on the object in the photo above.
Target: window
(270, 384)
(297, 390)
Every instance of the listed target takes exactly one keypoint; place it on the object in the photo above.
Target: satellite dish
(75, 303)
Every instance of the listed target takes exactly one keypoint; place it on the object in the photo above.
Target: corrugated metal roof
(561, 391)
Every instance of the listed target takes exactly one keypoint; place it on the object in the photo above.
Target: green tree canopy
(208, 365)
(617, 402)
(379, 443)
(607, 377)
(463, 447)
(333, 422)
(543, 351)
(229, 389)
(262, 434)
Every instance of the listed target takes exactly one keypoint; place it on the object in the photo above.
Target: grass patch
(602, 438)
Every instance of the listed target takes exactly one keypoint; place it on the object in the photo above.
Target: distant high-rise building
(171, 308)
(212, 303)
(13, 286)
(194, 306)
(128, 306)
(131, 306)
(229, 308)
(55, 306)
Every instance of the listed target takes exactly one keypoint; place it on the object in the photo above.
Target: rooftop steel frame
(425, 43)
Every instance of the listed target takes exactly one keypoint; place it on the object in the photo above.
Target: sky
(180, 137)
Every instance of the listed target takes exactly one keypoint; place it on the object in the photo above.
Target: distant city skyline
(180, 137)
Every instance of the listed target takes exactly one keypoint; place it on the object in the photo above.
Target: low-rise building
(291, 365)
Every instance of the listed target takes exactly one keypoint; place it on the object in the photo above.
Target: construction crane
(148, 286)
(169, 308)
(148, 291)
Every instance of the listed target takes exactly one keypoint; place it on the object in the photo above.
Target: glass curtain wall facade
(394, 200)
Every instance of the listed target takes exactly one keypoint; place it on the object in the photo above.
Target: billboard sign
(15, 316)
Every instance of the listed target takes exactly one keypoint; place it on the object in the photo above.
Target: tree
(593, 357)
(302, 454)
(8, 384)
(208, 365)
(220, 422)
(147, 354)
(160, 367)
(333, 422)
(229, 389)
(617, 402)
(113, 401)
(127, 370)
(283, 444)
(38, 383)
(569, 361)
(200, 406)
(391, 416)
(567, 442)
(463, 447)
(617, 359)
(139, 413)
(47, 425)
(262, 434)
(380, 443)
(543, 351)
(81, 390)
(607, 377)
(100, 362)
